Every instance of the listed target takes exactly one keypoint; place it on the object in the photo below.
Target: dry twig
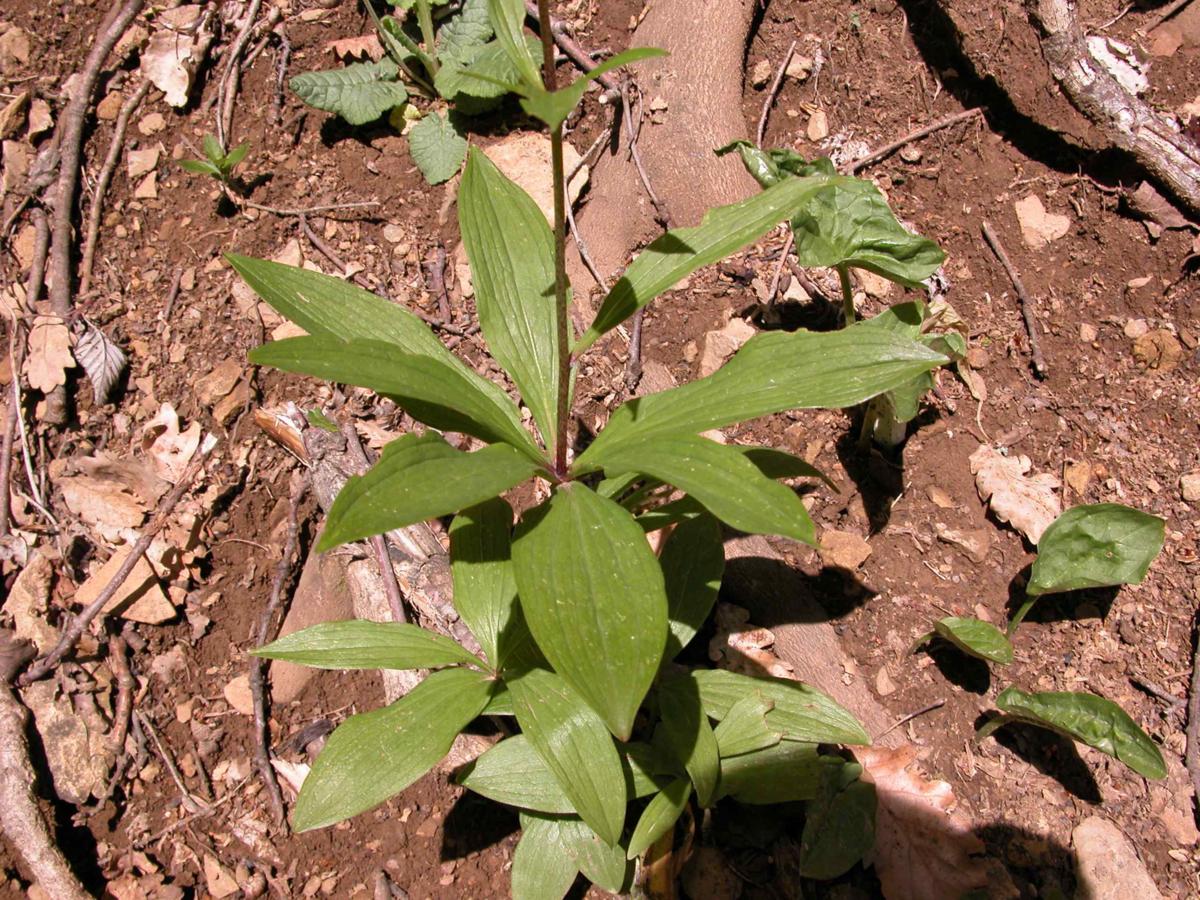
(769, 100)
(123, 709)
(904, 720)
(231, 79)
(575, 52)
(1027, 302)
(1191, 753)
(391, 585)
(888, 149)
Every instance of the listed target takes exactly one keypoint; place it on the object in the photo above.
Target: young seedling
(217, 163)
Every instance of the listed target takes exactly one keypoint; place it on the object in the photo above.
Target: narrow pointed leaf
(420, 477)
(575, 745)
(693, 562)
(976, 637)
(744, 728)
(645, 771)
(201, 167)
(593, 596)
(782, 773)
(433, 391)
(838, 831)
(553, 107)
(508, 18)
(686, 730)
(603, 864)
(801, 713)
(1093, 720)
(660, 815)
(1096, 545)
(541, 867)
(359, 644)
(728, 484)
(511, 250)
(682, 251)
(359, 93)
(771, 373)
(373, 756)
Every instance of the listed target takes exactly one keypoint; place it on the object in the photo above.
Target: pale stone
(1106, 864)
(238, 695)
(1189, 486)
(1039, 227)
(761, 74)
(525, 158)
(140, 599)
(720, 345)
(844, 549)
(142, 162)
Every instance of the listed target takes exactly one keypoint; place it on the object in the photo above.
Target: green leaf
(771, 373)
(978, 638)
(508, 18)
(553, 107)
(235, 156)
(693, 562)
(593, 596)
(434, 391)
(513, 772)
(643, 767)
(400, 47)
(511, 250)
(437, 147)
(213, 150)
(318, 419)
(838, 831)
(769, 167)
(603, 864)
(201, 167)
(420, 477)
(744, 728)
(722, 479)
(660, 814)
(485, 589)
(782, 773)
(359, 93)
(686, 730)
(575, 745)
(682, 251)
(373, 756)
(542, 869)
(801, 713)
(464, 32)
(483, 74)
(359, 644)
(1097, 545)
(1092, 720)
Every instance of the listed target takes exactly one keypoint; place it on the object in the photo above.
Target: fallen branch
(123, 709)
(1026, 301)
(74, 631)
(769, 100)
(231, 79)
(574, 52)
(888, 149)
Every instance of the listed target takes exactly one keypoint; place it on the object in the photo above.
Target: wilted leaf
(173, 52)
(1096, 545)
(364, 45)
(1029, 504)
(49, 354)
(169, 448)
(101, 359)
(437, 147)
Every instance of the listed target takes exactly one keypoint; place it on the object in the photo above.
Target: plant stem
(847, 295)
(425, 20)
(1020, 614)
(550, 76)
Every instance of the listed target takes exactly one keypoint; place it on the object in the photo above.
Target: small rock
(142, 162)
(1078, 475)
(1158, 349)
(393, 234)
(658, 104)
(14, 48)
(978, 358)
(140, 599)
(1106, 864)
(761, 74)
(1087, 333)
(219, 382)
(1189, 486)
(911, 154)
(844, 550)
(818, 126)
(525, 158)
(238, 695)
(1135, 328)
(220, 880)
(108, 108)
(940, 497)
(883, 682)
(974, 542)
(152, 124)
(873, 285)
(148, 189)
(1038, 227)
(799, 67)
(722, 344)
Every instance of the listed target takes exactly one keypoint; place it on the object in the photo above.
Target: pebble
(1088, 333)
(760, 74)
(1107, 866)
(844, 549)
(152, 123)
(1135, 328)
(1189, 486)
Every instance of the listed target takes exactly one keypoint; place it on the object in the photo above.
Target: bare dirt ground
(1117, 418)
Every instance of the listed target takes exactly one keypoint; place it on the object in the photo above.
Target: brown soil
(888, 68)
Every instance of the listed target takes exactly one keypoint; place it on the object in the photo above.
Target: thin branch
(769, 100)
(661, 213)
(299, 210)
(1165, 13)
(230, 80)
(779, 267)
(904, 720)
(1026, 301)
(1191, 753)
(391, 585)
(123, 709)
(74, 631)
(888, 149)
(571, 48)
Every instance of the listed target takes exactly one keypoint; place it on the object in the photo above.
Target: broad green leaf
(978, 638)
(485, 590)
(801, 713)
(483, 73)
(511, 250)
(771, 373)
(686, 731)
(213, 150)
(692, 561)
(437, 147)
(359, 644)
(201, 167)
(1097, 545)
(435, 392)
(682, 251)
(464, 32)
(782, 773)
(359, 93)
(542, 869)
(1093, 720)
(508, 18)
(512, 772)
(575, 745)
(500, 703)
(769, 167)
(420, 477)
(603, 864)
(730, 486)
(644, 769)
(373, 756)
(553, 107)
(593, 596)
(838, 831)
(661, 813)
(744, 728)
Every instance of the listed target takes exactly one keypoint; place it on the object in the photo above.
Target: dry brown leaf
(741, 647)
(103, 505)
(49, 354)
(170, 449)
(1148, 203)
(12, 117)
(171, 56)
(27, 603)
(40, 118)
(1029, 504)
(101, 359)
(365, 45)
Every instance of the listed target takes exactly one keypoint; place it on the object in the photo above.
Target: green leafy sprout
(216, 163)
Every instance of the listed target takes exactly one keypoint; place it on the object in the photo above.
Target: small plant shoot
(216, 163)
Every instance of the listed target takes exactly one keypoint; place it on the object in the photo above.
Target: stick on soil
(769, 100)
(1027, 302)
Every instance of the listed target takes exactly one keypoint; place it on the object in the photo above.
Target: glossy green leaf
(511, 250)
(978, 638)
(553, 107)
(359, 644)
(359, 93)
(420, 477)
(508, 18)
(687, 732)
(801, 713)
(437, 147)
(483, 74)
(513, 772)
(681, 251)
(1093, 720)
(603, 864)
(744, 728)
(542, 869)
(373, 756)
(1096, 545)
(769, 167)
(660, 814)
(771, 373)
(839, 831)
(782, 773)
(644, 770)
(722, 479)
(431, 390)
(235, 156)
(593, 596)
(575, 745)
(693, 562)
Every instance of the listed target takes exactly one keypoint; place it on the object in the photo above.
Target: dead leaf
(103, 505)
(741, 647)
(1148, 203)
(365, 45)
(1038, 227)
(49, 354)
(28, 601)
(12, 117)
(173, 52)
(40, 119)
(1029, 504)
(101, 359)
(141, 597)
(218, 879)
(170, 449)
(282, 429)
(291, 774)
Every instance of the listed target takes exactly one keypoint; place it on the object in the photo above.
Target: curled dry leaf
(169, 448)
(365, 45)
(101, 359)
(741, 647)
(49, 354)
(1029, 504)
(174, 51)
